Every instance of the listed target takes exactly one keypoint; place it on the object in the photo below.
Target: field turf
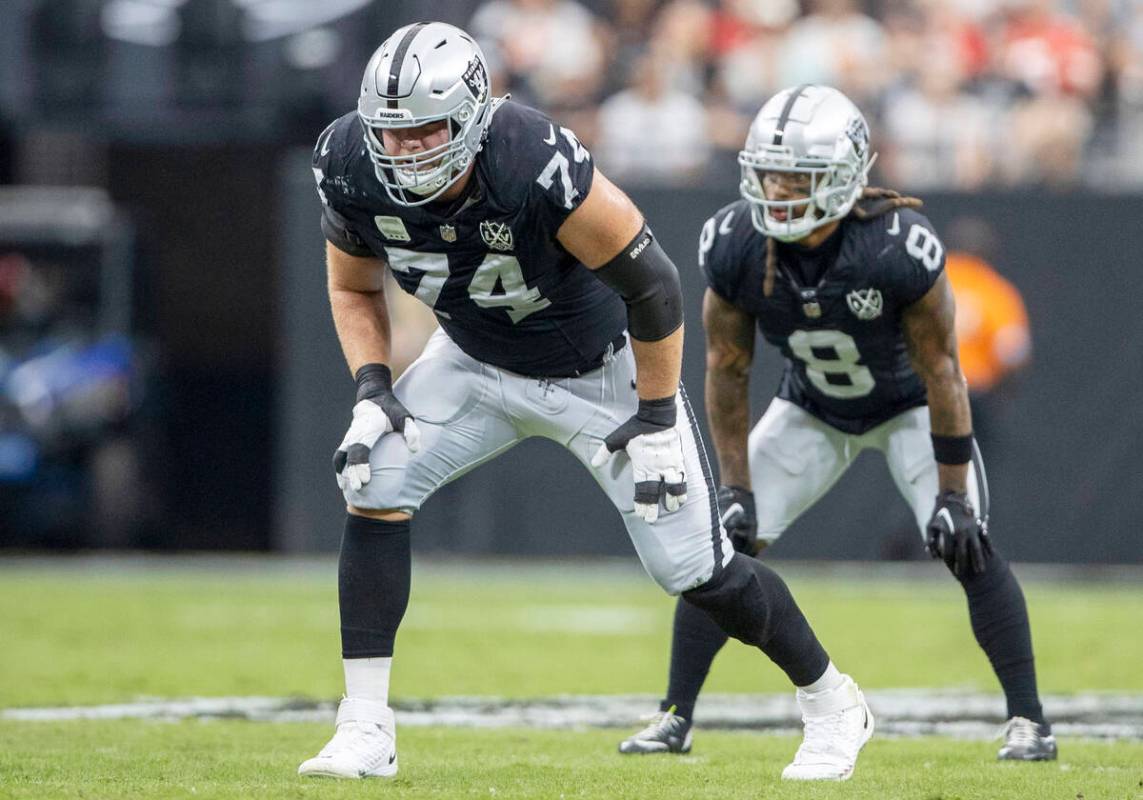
(100, 632)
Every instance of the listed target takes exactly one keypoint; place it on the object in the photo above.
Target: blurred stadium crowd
(961, 93)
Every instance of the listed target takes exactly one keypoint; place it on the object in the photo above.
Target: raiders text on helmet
(424, 73)
(808, 130)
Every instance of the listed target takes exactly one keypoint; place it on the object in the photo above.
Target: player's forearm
(362, 323)
(728, 411)
(949, 415)
(658, 366)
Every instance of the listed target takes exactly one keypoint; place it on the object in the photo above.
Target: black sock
(373, 576)
(751, 603)
(999, 619)
(694, 644)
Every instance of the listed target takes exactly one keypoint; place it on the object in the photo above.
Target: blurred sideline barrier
(1061, 439)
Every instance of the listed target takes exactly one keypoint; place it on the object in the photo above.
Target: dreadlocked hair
(874, 202)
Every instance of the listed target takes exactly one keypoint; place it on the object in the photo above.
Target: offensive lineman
(552, 296)
(849, 284)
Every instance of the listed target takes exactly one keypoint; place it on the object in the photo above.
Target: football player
(560, 316)
(848, 283)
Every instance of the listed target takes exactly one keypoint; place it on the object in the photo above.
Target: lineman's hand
(655, 448)
(377, 412)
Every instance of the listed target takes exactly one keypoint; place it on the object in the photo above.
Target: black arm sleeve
(643, 275)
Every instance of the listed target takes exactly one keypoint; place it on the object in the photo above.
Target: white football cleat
(838, 724)
(363, 746)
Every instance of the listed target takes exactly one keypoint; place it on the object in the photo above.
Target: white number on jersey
(706, 241)
(520, 300)
(860, 379)
(516, 295)
(924, 246)
(559, 163)
(434, 265)
(706, 238)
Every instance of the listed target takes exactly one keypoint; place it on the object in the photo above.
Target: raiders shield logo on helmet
(496, 235)
(865, 303)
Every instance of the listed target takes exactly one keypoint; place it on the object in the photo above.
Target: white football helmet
(423, 73)
(808, 130)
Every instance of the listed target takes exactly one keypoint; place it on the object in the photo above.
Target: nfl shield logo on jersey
(810, 305)
(496, 235)
(865, 303)
(448, 233)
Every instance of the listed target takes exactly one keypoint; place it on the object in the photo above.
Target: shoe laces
(662, 724)
(1021, 732)
(358, 738)
(822, 733)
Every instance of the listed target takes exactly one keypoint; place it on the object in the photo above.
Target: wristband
(952, 449)
(372, 380)
(658, 412)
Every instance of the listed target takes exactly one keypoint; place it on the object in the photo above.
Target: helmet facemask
(834, 185)
(417, 178)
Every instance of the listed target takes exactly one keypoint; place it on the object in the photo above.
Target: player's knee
(384, 514)
(741, 600)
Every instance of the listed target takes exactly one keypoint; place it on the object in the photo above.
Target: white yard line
(903, 712)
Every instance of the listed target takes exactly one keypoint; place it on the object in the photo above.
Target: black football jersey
(501, 285)
(839, 329)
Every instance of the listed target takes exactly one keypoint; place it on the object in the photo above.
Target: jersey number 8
(854, 379)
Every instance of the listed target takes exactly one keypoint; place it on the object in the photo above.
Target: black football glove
(957, 536)
(736, 510)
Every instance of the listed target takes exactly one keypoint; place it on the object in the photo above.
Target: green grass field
(81, 634)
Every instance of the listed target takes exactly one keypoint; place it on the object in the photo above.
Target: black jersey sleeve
(539, 165)
(328, 173)
(719, 251)
(916, 256)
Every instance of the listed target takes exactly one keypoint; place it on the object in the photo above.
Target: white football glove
(655, 448)
(377, 412)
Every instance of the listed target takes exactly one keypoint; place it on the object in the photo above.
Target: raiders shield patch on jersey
(392, 228)
(496, 235)
(865, 303)
(448, 233)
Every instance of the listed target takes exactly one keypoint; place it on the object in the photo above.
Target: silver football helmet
(811, 131)
(423, 73)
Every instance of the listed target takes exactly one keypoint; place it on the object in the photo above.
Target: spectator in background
(1054, 58)
(835, 45)
(652, 133)
(631, 24)
(936, 135)
(681, 38)
(748, 45)
(549, 51)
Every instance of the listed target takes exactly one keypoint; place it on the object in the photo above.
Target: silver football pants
(469, 412)
(795, 458)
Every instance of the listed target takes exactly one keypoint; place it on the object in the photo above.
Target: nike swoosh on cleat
(393, 757)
